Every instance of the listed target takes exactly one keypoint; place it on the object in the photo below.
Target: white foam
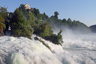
(24, 51)
(81, 49)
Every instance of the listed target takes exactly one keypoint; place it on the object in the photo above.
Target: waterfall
(76, 49)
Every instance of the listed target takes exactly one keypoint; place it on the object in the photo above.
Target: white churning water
(77, 49)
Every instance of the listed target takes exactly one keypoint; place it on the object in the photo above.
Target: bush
(55, 38)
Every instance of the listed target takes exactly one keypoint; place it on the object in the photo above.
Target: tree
(56, 14)
(30, 19)
(3, 18)
(64, 20)
(56, 39)
(37, 22)
(69, 20)
(2, 26)
(36, 12)
(3, 9)
(19, 26)
(59, 37)
(25, 12)
(3, 12)
(45, 16)
(22, 7)
(44, 29)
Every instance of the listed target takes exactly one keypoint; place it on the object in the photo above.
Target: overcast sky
(82, 10)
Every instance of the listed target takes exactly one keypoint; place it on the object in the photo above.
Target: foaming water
(77, 49)
(24, 51)
(87, 41)
(81, 48)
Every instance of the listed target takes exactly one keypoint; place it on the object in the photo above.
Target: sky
(82, 10)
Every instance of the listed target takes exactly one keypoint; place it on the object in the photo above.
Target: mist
(78, 48)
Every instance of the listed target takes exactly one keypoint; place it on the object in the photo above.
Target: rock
(36, 38)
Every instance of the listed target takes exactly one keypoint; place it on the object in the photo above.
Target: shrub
(55, 38)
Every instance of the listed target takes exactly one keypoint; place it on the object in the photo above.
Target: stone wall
(27, 6)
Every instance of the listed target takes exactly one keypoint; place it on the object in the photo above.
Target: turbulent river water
(76, 49)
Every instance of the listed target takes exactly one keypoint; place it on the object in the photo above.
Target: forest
(25, 22)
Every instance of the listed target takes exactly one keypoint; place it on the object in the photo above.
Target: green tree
(25, 12)
(69, 21)
(30, 19)
(56, 39)
(56, 14)
(59, 37)
(37, 22)
(64, 20)
(19, 25)
(45, 16)
(3, 9)
(4, 15)
(36, 12)
(2, 26)
(22, 7)
(3, 12)
(44, 29)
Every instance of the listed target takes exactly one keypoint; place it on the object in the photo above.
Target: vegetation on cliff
(25, 22)
(3, 20)
(19, 25)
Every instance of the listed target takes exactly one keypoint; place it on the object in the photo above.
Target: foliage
(45, 44)
(3, 9)
(56, 14)
(36, 12)
(37, 22)
(43, 29)
(2, 25)
(30, 19)
(19, 26)
(3, 12)
(72, 25)
(55, 38)
(59, 37)
(25, 12)
(22, 7)
(3, 19)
